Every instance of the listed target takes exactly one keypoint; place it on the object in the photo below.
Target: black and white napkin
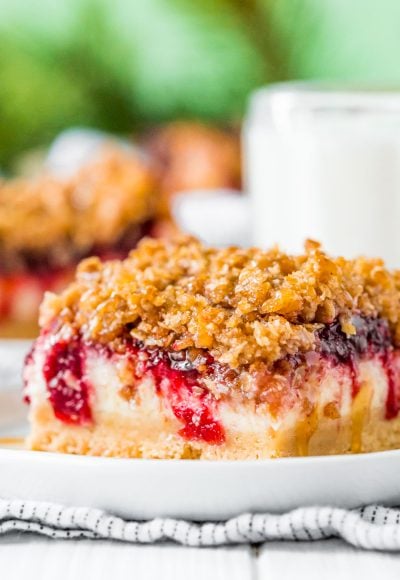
(371, 528)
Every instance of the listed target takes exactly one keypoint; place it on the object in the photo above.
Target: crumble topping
(91, 208)
(245, 306)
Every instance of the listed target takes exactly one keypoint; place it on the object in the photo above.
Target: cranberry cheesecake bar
(48, 225)
(184, 351)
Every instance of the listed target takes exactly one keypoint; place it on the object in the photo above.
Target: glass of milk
(324, 163)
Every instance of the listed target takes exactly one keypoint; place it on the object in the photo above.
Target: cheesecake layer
(87, 399)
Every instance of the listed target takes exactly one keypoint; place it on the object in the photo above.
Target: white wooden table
(31, 558)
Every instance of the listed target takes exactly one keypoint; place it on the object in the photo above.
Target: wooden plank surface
(324, 560)
(32, 558)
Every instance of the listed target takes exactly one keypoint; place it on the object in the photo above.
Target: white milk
(325, 165)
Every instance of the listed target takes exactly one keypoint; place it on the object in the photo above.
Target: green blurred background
(122, 65)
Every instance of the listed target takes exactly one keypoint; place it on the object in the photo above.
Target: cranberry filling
(191, 403)
(28, 288)
(372, 338)
(67, 387)
(52, 260)
(176, 381)
(392, 401)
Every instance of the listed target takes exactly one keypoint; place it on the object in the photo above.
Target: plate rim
(312, 460)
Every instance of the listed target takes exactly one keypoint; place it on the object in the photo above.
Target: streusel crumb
(242, 305)
(93, 207)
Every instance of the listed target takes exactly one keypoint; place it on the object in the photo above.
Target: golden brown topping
(93, 207)
(243, 305)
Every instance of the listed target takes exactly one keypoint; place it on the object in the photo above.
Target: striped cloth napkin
(371, 528)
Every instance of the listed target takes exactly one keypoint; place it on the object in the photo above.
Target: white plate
(200, 490)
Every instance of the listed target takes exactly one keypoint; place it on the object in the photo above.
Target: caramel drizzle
(359, 415)
(12, 441)
(305, 430)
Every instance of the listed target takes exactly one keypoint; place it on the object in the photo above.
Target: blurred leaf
(191, 59)
(37, 100)
(94, 58)
(122, 64)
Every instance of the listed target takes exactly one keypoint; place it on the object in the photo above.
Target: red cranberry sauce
(53, 259)
(68, 390)
(373, 338)
(391, 365)
(177, 380)
(15, 287)
(126, 242)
